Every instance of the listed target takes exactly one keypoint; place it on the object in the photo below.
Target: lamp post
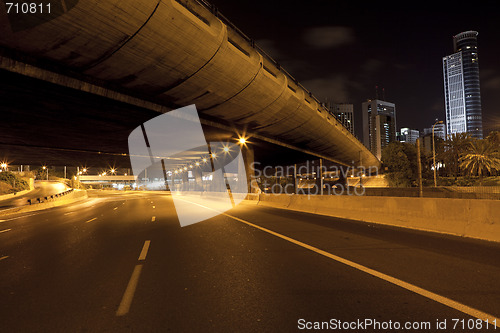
(434, 151)
(45, 168)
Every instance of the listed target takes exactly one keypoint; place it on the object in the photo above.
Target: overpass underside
(161, 55)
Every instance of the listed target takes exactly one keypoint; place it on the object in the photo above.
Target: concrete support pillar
(295, 179)
(319, 177)
(198, 181)
(342, 181)
(218, 182)
(185, 181)
(249, 158)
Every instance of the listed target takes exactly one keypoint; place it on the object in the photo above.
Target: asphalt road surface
(122, 263)
(42, 189)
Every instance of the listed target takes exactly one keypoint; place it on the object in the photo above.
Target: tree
(456, 145)
(481, 158)
(400, 161)
(494, 139)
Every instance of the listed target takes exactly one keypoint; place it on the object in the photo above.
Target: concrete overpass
(165, 54)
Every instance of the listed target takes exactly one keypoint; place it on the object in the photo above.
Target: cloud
(328, 37)
(269, 46)
(438, 105)
(295, 66)
(490, 79)
(372, 65)
(334, 89)
(491, 83)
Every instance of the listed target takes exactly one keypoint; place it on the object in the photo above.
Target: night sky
(340, 50)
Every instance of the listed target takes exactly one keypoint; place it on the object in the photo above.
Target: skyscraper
(439, 131)
(409, 135)
(345, 114)
(379, 125)
(461, 86)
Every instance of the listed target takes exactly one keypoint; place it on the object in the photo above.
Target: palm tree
(455, 145)
(494, 138)
(481, 158)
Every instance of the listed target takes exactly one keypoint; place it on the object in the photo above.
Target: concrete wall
(74, 196)
(473, 218)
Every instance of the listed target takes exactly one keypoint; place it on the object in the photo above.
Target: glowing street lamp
(45, 168)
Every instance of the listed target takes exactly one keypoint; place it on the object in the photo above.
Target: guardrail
(49, 198)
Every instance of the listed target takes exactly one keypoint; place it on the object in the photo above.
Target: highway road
(42, 189)
(120, 262)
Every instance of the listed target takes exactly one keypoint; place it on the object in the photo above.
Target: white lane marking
(68, 213)
(400, 283)
(144, 251)
(128, 296)
(20, 217)
(115, 208)
(5, 230)
(95, 218)
(153, 219)
(4, 257)
(89, 203)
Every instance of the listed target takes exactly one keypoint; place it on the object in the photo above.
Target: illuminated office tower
(379, 125)
(345, 114)
(461, 87)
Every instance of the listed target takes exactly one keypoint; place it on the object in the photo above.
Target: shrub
(15, 182)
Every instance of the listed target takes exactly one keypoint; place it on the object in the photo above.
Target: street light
(4, 166)
(434, 151)
(45, 168)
